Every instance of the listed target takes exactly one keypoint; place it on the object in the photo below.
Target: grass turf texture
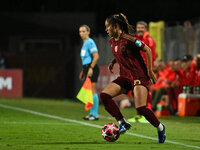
(25, 131)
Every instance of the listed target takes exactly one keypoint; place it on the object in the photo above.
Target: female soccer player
(134, 75)
(89, 56)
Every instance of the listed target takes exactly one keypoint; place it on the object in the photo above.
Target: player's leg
(140, 97)
(140, 118)
(111, 90)
(95, 106)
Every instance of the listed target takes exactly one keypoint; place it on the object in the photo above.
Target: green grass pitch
(49, 124)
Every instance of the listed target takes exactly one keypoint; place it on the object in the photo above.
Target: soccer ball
(110, 132)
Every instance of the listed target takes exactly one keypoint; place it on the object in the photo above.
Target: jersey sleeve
(136, 42)
(92, 47)
(139, 44)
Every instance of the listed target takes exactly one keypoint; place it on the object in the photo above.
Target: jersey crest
(115, 48)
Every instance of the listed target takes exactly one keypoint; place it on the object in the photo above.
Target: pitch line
(38, 123)
(88, 124)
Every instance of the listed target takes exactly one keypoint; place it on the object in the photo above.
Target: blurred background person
(89, 56)
(185, 72)
(158, 89)
(167, 89)
(172, 77)
(3, 60)
(143, 35)
(195, 71)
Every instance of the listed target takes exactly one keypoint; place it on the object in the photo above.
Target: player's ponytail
(128, 26)
(122, 20)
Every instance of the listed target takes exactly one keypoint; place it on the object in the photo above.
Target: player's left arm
(148, 53)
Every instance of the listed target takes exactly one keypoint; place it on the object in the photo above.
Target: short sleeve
(92, 47)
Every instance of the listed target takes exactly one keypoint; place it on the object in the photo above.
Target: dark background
(41, 36)
(171, 11)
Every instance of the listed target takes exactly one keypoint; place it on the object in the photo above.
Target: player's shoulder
(129, 37)
(90, 40)
(111, 40)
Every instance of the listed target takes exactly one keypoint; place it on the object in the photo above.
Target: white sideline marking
(88, 124)
(38, 123)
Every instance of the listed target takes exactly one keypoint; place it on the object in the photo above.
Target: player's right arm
(111, 65)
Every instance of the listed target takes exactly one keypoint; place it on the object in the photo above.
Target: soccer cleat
(90, 117)
(123, 127)
(142, 119)
(161, 135)
(138, 118)
(86, 117)
(132, 119)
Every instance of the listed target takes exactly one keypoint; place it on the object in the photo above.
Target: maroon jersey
(127, 54)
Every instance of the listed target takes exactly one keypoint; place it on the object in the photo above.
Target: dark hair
(86, 26)
(120, 19)
(187, 58)
(143, 23)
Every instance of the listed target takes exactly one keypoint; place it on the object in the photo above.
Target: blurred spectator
(195, 71)
(3, 60)
(143, 35)
(185, 78)
(173, 88)
(167, 85)
(158, 89)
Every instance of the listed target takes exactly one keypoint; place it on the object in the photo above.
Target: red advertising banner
(11, 83)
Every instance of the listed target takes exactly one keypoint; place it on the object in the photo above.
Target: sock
(149, 103)
(95, 105)
(160, 127)
(92, 110)
(110, 106)
(149, 115)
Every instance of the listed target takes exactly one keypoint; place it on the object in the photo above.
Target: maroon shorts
(129, 85)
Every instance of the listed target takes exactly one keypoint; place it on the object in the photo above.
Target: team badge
(115, 48)
(83, 52)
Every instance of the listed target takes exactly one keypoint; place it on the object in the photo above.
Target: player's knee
(104, 98)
